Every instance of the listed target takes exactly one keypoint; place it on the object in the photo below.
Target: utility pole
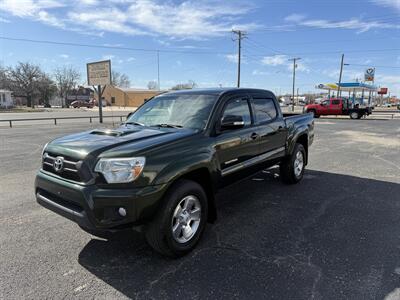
(294, 77)
(158, 69)
(340, 76)
(241, 36)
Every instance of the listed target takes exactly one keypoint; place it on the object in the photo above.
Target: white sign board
(369, 74)
(99, 73)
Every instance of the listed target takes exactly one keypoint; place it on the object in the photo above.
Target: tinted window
(335, 102)
(238, 107)
(265, 110)
(186, 110)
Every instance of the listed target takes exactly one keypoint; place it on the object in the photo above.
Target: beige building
(127, 96)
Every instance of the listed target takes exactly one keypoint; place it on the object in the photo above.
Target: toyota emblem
(58, 164)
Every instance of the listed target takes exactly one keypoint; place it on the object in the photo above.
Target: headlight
(44, 148)
(120, 170)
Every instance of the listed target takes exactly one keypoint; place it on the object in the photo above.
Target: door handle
(254, 136)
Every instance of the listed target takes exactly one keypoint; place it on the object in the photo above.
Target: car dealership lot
(336, 235)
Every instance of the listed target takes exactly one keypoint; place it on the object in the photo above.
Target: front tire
(292, 168)
(180, 221)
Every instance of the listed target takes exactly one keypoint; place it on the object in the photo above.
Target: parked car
(337, 106)
(81, 103)
(104, 103)
(159, 171)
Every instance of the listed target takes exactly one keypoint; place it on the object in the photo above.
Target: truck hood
(133, 138)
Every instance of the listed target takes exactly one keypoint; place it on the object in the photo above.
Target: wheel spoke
(195, 214)
(187, 232)
(188, 203)
(177, 230)
(178, 211)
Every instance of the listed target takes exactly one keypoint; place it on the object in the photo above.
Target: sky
(194, 39)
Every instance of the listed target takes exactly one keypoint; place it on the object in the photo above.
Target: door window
(265, 110)
(335, 102)
(238, 107)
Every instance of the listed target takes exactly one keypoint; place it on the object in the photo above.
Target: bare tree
(185, 86)
(46, 89)
(66, 80)
(4, 78)
(152, 85)
(24, 80)
(120, 80)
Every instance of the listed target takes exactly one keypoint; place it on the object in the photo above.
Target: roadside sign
(383, 91)
(99, 73)
(369, 74)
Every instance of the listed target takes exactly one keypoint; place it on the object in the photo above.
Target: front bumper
(96, 208)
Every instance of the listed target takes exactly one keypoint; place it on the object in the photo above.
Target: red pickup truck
(338, 106)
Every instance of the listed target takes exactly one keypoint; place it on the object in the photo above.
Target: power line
(361, 65)
(109, 47)
(338, 51)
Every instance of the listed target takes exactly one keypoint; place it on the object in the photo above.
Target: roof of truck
(216, 91)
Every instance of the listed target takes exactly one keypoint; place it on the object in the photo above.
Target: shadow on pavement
(330, 237)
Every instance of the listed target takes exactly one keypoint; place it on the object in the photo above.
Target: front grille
(70, 170)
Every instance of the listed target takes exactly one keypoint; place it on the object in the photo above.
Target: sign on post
(369, 74)
(383, 91)
(99, 73)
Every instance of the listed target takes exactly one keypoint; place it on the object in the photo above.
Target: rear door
(270, 126)
(335, 107)
(237, 146)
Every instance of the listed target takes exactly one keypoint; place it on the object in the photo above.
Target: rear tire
(292, 168)
(180, 220)
(354, 115)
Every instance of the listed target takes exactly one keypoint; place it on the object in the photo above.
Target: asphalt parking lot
(336, 235)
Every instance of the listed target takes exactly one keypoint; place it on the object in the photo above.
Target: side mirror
(128, 116)
(232, 122)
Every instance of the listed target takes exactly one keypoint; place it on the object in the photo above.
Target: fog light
(122, 211)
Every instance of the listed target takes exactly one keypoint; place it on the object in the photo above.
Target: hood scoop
(111, 132)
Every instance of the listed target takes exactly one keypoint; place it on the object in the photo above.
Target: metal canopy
(348, 87)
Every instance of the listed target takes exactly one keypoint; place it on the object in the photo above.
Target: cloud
(232, 58)
(283, 60)
(354, 23)
(259, 73)
(2, 20)
(184, 19)
(275, 60)
(65, 56)
(295, 18)
(28, 8)
(387, 3)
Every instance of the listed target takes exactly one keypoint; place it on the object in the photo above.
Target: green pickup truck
(158, 171)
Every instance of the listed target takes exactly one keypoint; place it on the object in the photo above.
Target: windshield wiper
(133, 123)
(168, 126)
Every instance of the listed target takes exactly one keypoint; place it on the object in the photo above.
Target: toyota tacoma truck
(338, 106)
(158, 171)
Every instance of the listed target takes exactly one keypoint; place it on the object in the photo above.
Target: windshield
(182, 110)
